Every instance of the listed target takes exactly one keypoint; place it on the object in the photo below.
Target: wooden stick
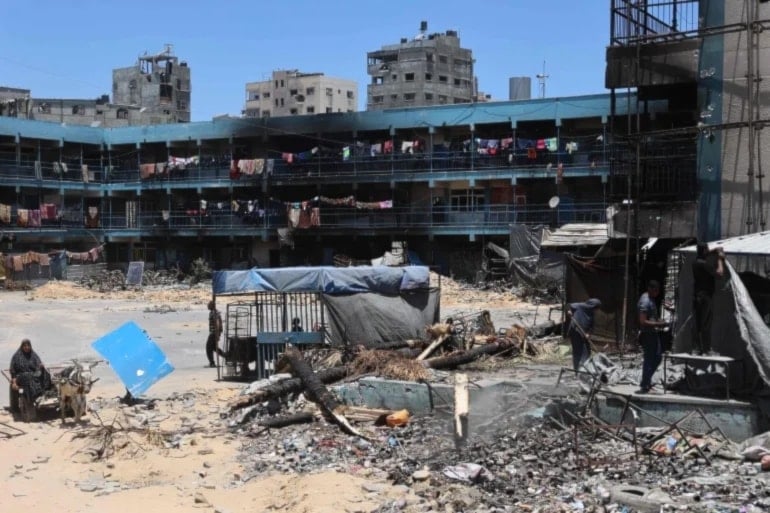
(462, 407)
(432, 347)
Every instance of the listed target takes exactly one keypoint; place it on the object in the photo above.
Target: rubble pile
(525, 463)
(112, 280)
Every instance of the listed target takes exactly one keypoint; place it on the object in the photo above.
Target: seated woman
(28, 372)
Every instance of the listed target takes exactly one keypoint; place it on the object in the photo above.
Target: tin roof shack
(320, 305)
(741, 309)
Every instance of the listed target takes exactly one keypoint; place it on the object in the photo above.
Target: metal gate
(258, 331)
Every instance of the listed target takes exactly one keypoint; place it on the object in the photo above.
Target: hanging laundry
(5, 213)
(165, 214)
(34, 218)
(18, 263)
(92, 219)
(346, 153)
(246, 166)
(269, 165)
(407, 147)
(304, 222)
(315, 216)
(259, 166)
(22, 217)
(63, 167)
(559, 172)
(160, 168)
(84, 172)
(146, 170)
(531, 153)
(45, 260)
(387, 147)
(506, 143)
(386, 204)
(376, 149)
(293, 214)
(288, 157)
(571, 147)
(552, 144)
(203, 205)
(540, 144)
(56, 168)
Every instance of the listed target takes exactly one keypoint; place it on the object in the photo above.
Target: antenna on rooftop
(541, 78)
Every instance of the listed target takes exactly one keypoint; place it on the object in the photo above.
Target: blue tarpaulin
(329, 280)
(135, 357)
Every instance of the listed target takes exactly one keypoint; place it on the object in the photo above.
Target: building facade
(302, 190)
(158, 84)
(706, 59)
(430, 69)
(292, 93)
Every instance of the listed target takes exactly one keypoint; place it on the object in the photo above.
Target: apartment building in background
(293, 93)
(430, 69)
(156, 90)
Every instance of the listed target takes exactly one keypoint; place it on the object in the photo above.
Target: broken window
(266, 95)
(281, 102)
(429, 57)
(79, 110)
(310, 91)
(329, 91)
(293, 92)
(428, 77)
(442, 59)
(44, 107)
(181, 105)
(408, 97)
(281, 83)
(255, 96)
(265, 113)
(457, 81)
(350, 95)
(429, 96)
(329, 110)
(293, 112)
(442, 98)
(166, 91)
(378, 80)
(394, 77)
(310, 110)
(131, 84)
(122, 114)
(443, 79)
(409, 77)
(394, 97)
(378, 99)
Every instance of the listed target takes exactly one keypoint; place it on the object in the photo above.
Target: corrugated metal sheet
(577, 234)
(751, 244)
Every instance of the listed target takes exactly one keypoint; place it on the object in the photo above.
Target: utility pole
(541, 78)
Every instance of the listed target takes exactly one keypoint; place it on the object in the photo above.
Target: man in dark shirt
(215, 331)
(649, 337)
(708, 266)
(580, 327)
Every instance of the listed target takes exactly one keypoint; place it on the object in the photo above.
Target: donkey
(74, 385)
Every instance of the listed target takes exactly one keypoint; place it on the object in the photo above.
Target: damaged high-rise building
(155, 90)
(429, 69)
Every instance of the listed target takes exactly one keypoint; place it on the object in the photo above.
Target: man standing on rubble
(707, 267)
(649, 336)
(215, 331)
(579, 331)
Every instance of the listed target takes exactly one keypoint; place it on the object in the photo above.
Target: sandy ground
(55, 466)
(150, 466)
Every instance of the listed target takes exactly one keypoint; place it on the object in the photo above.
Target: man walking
(215, 331)
(705, 271)
(579, 331)
(649, 337)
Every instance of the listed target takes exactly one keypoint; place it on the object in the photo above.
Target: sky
(68, 49)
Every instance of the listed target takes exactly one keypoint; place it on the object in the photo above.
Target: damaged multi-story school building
(673, 153)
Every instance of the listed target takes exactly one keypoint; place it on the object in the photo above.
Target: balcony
(415, 220)
(652, 43)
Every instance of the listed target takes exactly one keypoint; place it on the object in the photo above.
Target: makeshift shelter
(739, 329)
(531, 264)
(318, 305)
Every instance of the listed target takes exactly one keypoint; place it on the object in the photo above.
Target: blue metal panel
(290, 337)
(709, 171)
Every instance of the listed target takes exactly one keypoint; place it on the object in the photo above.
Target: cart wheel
(13, 398)
(28, 410)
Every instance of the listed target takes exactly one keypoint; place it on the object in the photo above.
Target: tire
(13, 399)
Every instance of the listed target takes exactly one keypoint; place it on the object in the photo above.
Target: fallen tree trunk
(461, 357)
(432, 347)
(544, 329)
(302, 417)
(286, 387)
(316, 390)
(396, 345)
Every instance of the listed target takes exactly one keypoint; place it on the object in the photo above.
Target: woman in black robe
(28, 372)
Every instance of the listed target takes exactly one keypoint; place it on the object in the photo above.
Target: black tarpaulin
(371, 319)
